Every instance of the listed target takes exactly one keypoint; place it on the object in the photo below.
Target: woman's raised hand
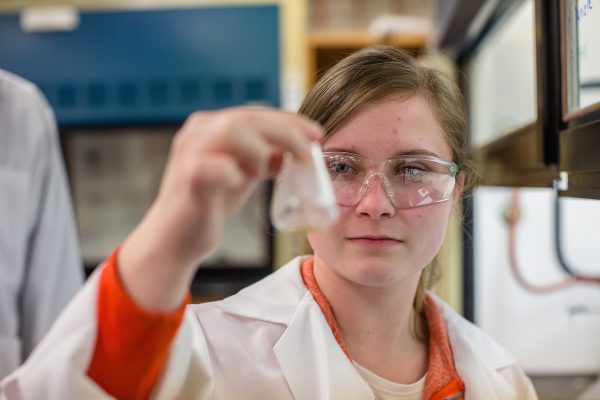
(215, 161)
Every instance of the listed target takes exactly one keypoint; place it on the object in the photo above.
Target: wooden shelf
(327, 48)
(361, 39)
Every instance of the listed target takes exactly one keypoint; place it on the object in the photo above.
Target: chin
(376, 273)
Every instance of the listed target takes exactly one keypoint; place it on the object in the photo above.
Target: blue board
(152, 66)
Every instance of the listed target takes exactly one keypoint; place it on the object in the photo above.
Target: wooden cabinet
(327, 48)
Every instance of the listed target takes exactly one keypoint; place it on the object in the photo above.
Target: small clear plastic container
(303, 198)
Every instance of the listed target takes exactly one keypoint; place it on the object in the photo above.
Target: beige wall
(450, 286)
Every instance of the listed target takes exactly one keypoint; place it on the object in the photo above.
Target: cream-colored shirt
(388, 390)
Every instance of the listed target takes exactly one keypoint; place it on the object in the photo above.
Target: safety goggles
(409, 181)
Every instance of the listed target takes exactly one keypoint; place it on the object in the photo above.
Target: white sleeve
(56, 370)
(57, 367)
(188, 374)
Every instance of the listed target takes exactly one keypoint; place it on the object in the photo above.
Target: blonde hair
(374, 73)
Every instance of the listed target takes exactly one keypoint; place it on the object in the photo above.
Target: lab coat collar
(320, 369)
(479, 360)
(463, 333)
(317, 369)
(272, 299)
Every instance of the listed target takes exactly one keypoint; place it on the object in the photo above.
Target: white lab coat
(269, 341)
(40, 265)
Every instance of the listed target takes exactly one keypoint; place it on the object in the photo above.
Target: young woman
(352, 321)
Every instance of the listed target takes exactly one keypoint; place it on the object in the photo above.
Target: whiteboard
(587, 17)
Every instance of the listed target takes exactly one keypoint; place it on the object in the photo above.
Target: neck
(384, 331)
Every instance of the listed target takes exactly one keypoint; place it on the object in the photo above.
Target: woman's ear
(458, 189)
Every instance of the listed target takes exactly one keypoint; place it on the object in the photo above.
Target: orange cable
(513, 218)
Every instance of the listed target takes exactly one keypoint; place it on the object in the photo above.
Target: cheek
(327, 239)
(322, 243)
(427, 225)
(314, 240)
(322, 239)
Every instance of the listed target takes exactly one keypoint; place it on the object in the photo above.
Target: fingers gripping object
(303, 198)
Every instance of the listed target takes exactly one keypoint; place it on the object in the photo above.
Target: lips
(375, 237)
(375, 240)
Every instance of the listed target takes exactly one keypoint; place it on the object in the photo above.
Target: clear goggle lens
(408, 181)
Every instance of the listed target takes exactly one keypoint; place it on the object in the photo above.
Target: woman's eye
(412, 173)
(340, 167)
(413, 170)
(410, 170)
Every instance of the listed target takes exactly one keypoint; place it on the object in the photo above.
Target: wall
(552, 333)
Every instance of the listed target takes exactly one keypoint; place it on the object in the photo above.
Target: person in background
(40, 265)
(354, 320)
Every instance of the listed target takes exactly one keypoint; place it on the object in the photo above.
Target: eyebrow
(417, 152)
(412, 152)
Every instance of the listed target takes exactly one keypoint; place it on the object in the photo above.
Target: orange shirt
(442, 380)
(128, 365)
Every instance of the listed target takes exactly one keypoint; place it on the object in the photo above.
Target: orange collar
(442, 380)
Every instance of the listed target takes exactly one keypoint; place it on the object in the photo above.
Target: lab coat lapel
(481, 379)
(478, 359)
(273, 299)
(312, 361)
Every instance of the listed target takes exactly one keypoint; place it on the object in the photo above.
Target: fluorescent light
(49, 19)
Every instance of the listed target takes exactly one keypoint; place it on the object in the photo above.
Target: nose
(375, 201)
